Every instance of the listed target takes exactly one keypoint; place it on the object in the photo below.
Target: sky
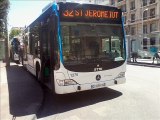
(24, 12)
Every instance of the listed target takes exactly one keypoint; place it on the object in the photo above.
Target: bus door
(45, 53)
(49, 48)
(53, 48)
(54, 58)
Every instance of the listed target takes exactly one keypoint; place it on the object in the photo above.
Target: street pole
(142, 21)
(6, 44)
(142, 25)
(128, 45)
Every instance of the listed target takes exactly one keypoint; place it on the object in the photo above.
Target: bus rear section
(14, 49)
(92, 48)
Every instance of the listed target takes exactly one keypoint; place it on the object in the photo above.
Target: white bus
(73, 47)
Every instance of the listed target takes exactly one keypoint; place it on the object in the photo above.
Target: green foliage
(4, 6)
(13, 33)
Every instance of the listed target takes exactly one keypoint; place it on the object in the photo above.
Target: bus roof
(74, 3)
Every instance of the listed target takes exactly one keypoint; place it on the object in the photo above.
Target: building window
(127, 30)
(144, 43)
(153, 27)
(132, 4)
(145, 15)
(152, 41)
(152, 13)
(145, 29)
(152, 1)
(132, 30)
(125, 18)
(132, 17)
(144, 2)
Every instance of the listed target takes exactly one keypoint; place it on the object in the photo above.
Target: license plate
(99, 85)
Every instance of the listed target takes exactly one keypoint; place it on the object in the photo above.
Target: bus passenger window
(31, 43)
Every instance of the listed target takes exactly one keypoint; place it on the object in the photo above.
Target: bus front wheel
(38, 73)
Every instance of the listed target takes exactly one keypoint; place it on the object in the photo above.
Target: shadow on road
(26, 96)
(54, 104)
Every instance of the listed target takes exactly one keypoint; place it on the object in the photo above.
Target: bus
(74, 47)
(14, 49)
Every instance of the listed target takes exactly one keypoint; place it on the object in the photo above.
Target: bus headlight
(66, 82)
(120, 75)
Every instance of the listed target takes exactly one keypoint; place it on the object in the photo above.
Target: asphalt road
(137, 99)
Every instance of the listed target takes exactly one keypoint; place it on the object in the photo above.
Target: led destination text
(91, 14)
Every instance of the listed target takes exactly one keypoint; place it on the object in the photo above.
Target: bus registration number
(99, 85)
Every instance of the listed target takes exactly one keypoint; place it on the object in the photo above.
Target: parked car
(144, 54)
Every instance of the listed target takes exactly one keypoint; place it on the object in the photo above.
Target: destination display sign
(91, 14)
(88, 13)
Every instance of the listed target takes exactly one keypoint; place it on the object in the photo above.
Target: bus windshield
(92, 43)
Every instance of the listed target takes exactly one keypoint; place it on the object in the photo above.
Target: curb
(2, 64)
(144, 64)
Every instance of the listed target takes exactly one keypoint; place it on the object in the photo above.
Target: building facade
(141, 21)
(142, 24)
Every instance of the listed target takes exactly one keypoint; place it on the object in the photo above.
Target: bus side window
(31, 40)
(54, 50)
(44, 43)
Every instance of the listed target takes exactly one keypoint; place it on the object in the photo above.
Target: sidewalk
(4, 106)
(145, 62)
(2, 64)
(4, 97)
(150, 61)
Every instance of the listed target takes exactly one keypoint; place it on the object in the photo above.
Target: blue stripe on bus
(124, 35)
(54, 8)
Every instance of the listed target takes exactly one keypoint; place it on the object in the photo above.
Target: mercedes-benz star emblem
(98, 77)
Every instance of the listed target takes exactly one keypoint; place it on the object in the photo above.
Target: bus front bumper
(89, 86)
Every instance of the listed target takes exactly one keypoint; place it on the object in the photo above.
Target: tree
(4, 6)
(14, 32)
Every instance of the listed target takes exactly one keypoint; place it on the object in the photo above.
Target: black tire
(11, 55)
(21, 60)
(37, 72)
(17, 61)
